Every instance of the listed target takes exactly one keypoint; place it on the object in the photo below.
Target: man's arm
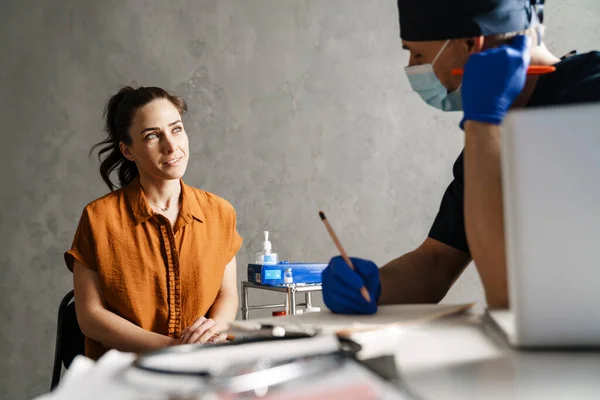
(422, 276)
(492, 81)
(484, 216)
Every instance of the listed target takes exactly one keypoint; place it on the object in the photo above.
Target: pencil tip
(322, 215)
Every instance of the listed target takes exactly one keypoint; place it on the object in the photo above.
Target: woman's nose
(169, 144)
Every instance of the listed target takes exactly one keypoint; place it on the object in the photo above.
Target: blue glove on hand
(492, 81)
(341, 286)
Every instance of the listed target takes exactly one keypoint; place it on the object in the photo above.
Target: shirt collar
(141, 210)
(190, 206)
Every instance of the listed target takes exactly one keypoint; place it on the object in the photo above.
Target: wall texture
(295, 106)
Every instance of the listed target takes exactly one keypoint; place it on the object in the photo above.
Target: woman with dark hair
(153, 261)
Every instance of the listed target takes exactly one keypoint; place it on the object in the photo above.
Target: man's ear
(474, 44)
(126, 152)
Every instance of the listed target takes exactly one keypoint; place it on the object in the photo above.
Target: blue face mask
(424, 81)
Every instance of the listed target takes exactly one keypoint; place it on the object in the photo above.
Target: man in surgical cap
(494, 41)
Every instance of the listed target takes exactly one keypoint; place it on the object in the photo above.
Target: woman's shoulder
(210, 202)
(105, 205)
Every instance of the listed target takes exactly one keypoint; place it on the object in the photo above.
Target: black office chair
(70, 341)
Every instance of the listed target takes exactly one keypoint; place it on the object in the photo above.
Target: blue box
(273, 274)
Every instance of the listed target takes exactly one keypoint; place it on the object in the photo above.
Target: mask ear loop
(438, 56)
(440, 52)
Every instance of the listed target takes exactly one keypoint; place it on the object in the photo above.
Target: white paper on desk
(113, 377)
(386, 316)
(98, 382)
(377, 334)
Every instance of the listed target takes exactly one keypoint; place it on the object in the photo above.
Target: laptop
(551, 188)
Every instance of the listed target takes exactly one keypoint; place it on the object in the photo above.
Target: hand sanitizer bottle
(265, 256)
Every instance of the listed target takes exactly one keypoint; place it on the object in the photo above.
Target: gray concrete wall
(295, 106)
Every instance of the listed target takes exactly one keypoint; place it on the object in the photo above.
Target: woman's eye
(177, 129)
(151, 136)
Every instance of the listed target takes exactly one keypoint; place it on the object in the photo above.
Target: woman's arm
(223, 310)
(104, 326)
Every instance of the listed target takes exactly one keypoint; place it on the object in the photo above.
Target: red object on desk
(532, 70)
(279, 313)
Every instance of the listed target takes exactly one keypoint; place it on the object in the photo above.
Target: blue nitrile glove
(493, 79)
(341, 286)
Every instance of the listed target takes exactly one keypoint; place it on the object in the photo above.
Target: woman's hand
(204, 330)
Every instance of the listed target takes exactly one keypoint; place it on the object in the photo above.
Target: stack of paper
(378, 334)
(386, 316)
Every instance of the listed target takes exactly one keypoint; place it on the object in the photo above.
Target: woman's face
(159, 145)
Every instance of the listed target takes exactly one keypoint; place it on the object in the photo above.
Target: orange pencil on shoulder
(532, 70)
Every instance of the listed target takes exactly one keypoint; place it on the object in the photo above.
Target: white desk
(463, 358)
(453, 358)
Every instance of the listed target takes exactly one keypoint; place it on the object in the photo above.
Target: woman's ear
(126, 152)
(474, 44)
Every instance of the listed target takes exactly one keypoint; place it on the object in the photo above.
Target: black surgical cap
(422, 20)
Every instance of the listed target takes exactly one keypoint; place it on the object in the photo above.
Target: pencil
(363, 290)
(532, 70)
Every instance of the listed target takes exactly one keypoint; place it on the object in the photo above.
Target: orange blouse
(158, 277)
